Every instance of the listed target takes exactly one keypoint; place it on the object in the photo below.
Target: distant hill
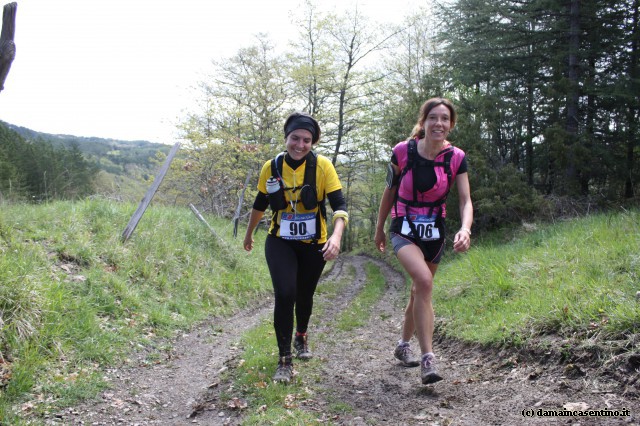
(128, 166)
(110, 155)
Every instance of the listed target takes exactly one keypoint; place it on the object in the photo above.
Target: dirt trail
(481, 387)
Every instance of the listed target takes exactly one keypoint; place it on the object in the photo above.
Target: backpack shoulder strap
(412, 149)
(446, 163)
(447, 166)
(276, 172)
(310, 169)
(412, 154)
(310, 172)
(276, 166)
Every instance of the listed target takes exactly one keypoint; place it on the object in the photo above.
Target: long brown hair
(418, 129)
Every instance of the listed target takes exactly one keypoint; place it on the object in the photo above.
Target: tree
(239, 124)
(11, 180)
(551, 86)
(355, 41)
(337, 75)
(313, 63)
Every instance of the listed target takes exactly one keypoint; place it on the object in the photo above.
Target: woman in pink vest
(421, 172)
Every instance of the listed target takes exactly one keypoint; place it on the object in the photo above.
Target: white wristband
(467, 230)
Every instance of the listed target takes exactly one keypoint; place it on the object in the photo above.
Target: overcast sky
(125, 69)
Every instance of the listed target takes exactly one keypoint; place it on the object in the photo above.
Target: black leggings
(295, 269)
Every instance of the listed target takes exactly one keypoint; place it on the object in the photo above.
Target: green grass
(360, 308)
(576, 278)
(75, 299)
(268, 402)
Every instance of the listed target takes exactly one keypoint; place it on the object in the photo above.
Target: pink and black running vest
(432, 201)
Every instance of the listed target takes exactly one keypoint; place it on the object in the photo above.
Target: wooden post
(133, 222)
(7, 46)
(236, 216)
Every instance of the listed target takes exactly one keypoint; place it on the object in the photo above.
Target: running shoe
(428, 369)
(302, 348)
(404, 353)
(284, 371)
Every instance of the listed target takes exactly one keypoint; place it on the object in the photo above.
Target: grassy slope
(75, 298)
(574, 279)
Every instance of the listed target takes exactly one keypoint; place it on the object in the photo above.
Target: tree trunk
(632, 112)
(7, 46)
(572, 123)
(572, 93)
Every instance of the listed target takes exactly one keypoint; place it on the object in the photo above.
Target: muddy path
(181, 385)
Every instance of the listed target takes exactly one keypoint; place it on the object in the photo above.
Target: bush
(500, 197)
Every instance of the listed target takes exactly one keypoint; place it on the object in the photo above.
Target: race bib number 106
(425, 227)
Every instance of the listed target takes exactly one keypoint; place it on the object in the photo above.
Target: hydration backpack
(308, 190)
(413, 162)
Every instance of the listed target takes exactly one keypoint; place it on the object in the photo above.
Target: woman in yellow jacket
(298, 246)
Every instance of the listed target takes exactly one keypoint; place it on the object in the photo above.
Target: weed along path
(354, 379)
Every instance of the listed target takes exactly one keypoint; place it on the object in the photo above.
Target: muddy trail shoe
(284, 371)
(428, 369)
(406, 356)
(302, 348)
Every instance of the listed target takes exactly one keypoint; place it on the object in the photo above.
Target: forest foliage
(546, 93)
(39, 171)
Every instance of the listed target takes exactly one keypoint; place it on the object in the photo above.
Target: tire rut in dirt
(480, 386)
(358, 367)
(168, 392)
(322, 316)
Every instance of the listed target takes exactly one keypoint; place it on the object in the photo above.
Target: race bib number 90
(425, 227)
(297, 226)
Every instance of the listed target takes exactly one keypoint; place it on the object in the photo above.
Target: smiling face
(437, 124)
(299, 143)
